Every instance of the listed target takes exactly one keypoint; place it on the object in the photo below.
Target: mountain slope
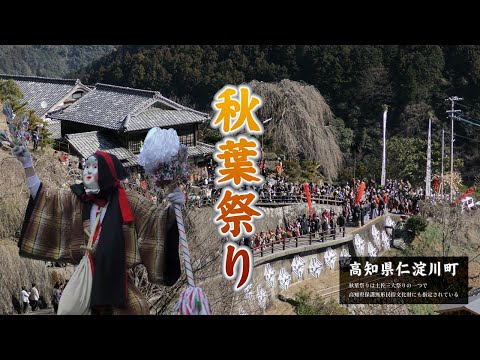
(49, 60)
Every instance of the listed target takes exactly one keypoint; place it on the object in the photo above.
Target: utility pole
(384, 157)
(452, 112)
(428, 178)
(443, 155)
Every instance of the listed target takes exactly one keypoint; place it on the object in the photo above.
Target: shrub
(415, 225)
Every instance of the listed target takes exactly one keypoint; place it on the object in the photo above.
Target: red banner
(360, 193)
(279, 168)
(309, 200)
(468, 192)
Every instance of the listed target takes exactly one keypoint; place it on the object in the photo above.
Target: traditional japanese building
(472, 308)
(44, 95)
(116, 119)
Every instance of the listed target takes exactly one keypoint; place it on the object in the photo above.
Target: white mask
(90, 176)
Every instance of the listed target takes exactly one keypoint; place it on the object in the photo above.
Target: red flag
(279, 168)
(469, 191)
(360, 193)
(309, 201)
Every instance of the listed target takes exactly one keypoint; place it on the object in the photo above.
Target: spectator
(362, 215)
(24, 295)
(324, 227)
(57, 293)
(35, 138)
(341, 222)
(34, 296)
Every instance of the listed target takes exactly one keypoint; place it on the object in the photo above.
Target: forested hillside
(48, 60)
(355, 80)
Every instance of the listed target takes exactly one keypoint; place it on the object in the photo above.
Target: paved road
(41, 312)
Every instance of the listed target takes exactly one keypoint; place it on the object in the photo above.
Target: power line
(468, 107)
(461, 118)
(465, 137)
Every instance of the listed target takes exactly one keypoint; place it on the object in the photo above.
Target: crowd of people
(319, 226)
(396, 196)
(32, 297)
(29, 298)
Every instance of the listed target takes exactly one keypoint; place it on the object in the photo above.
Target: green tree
(415, 225)
(11, 93)
(49, 60)
(421, 70)
(407, 159)
(345, 135)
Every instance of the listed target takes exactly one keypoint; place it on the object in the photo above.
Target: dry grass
(14, 191)
(15, 271)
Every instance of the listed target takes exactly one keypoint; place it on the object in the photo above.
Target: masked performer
(130, 230)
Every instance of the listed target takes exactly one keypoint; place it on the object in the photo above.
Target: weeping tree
(300, 125)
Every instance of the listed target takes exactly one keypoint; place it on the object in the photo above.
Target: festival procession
(263, 190)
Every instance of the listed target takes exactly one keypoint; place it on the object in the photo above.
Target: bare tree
(205, 245)
(458, 234)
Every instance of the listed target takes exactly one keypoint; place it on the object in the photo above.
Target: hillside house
(116, 119)
(44, 95)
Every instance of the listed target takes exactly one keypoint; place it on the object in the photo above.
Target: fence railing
(201, 200)
(286, 199)
(290, 198)
(296, 241)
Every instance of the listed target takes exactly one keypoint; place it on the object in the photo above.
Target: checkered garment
(53, 230)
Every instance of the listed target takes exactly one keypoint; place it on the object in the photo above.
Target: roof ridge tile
(40, 79)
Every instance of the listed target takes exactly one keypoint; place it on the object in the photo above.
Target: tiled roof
(55, 128)
(88, 142)
(180, 107)
(130, 161)
(38, 89)
(201, 149)
(107, 106)
(153, 117)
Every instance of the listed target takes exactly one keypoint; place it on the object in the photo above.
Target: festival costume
(134, 231)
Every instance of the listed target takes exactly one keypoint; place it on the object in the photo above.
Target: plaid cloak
(53, 230)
